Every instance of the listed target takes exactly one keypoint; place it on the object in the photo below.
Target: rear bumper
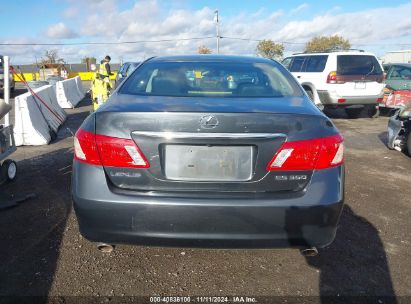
(329, 98)
(304, 219)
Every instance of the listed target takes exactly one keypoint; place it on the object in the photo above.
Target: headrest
(167, 86)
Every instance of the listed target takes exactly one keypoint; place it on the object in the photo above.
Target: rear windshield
(358, 65)
(399, 72)
(210, 79)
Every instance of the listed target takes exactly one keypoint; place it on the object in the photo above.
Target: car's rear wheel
(310, 94)
(353, 112)
(371, 111)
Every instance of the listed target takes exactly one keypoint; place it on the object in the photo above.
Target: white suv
(350, 79)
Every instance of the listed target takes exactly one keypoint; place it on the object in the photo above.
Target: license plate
(360, 85)
(208, 163)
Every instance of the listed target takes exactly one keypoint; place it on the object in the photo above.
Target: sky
(160, 27)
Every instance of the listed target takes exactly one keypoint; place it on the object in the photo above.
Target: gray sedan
(181, 156)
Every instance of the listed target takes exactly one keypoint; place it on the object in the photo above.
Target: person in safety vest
(105, 70)
(101, 86)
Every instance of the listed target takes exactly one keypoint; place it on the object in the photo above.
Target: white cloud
(60, 31)
(71, 12)
(299, 8)
(359, 27)
(151, 20)
(148, 21)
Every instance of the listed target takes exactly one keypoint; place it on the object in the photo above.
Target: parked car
(399, 129)
(399, 77)
(11, 81)
(350, 79)
(397, 92)
(172, 161)
(126, 69)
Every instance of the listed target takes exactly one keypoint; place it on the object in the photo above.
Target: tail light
(312, 154)
(332, 77)
(85, 148)
(388, 90)
(108, 151)
(120, 152)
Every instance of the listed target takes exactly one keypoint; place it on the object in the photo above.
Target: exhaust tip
(106, 248)
(309, 252)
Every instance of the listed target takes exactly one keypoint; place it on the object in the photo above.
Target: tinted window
(210, 79)
(358, 65)
(315, 63)
(400, 72)
(297, 64)
(286, 62)
(123, 68)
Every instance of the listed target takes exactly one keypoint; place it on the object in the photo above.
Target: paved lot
(42, 252)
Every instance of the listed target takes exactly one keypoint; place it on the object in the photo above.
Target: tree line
(270, 49)
(265, 48)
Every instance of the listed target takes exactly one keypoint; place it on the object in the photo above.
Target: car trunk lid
(210, 151)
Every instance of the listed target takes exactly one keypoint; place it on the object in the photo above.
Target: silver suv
(349, 79)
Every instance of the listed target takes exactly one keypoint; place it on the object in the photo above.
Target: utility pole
(217, 23)
(6, 85)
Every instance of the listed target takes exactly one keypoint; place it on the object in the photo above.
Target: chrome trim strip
(186, 135)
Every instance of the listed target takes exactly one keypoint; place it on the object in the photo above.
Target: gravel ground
(43, 254)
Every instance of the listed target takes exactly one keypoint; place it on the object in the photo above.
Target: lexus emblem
(208, 122)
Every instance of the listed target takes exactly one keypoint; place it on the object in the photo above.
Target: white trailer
(397, 57)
